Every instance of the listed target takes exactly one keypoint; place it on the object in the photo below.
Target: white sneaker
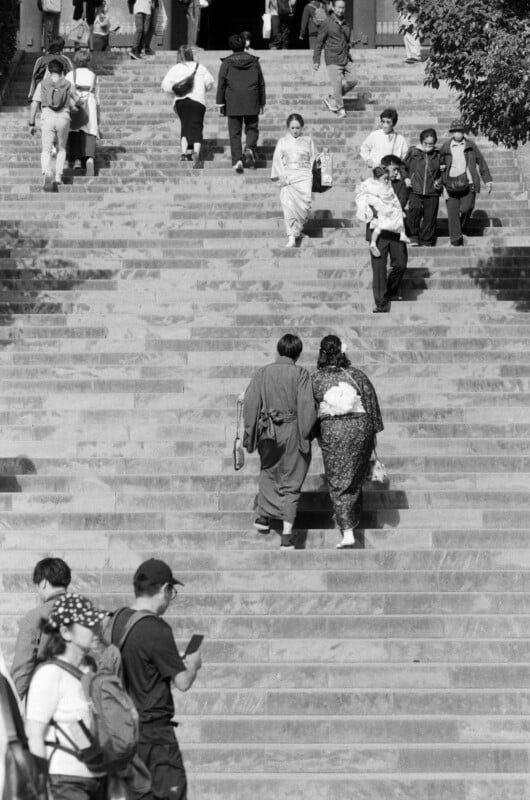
(238, 167)
(291, 241)
(341, 113)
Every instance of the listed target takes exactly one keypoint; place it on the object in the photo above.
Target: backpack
(114, 732)
(319, 16)
(185, 86)
(24, 780)
(54, 95)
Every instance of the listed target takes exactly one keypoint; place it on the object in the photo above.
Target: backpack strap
(75, 671)
(135, 617)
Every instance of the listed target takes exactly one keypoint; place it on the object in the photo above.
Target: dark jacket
(474, 159)
(424, 170)
(241, 86)
(308, 24)
(335, 38)
(30, 644)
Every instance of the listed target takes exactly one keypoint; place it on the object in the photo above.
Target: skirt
(191, 115)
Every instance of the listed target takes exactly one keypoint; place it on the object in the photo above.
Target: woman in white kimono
(292, 167)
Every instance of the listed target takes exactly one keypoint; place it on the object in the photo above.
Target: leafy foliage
(8, 33)
(481, 48)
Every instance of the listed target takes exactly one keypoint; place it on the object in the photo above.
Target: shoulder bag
(79, 114)
(377, 472)
(185, 86)
(457, 184)
(25, 774)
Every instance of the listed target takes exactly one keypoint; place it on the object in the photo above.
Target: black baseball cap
(156, 571)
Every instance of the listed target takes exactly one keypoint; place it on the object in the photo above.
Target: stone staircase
(136, 305)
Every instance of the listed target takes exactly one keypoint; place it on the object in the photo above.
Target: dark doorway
(225, 17)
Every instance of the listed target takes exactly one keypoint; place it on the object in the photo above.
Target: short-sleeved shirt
(150, 663)
(55, 694)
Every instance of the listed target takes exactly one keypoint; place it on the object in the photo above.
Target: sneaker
(329, 102)
(135, 56)
(249, 158)
(47, 182)
(78, 164)
(149, 52)
(262, 524)
(238, 167)
(341, 113)
(287, 542)
(90, 167)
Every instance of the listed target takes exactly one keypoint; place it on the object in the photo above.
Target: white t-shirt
(55, 694)
(379, 144)
(202, 82)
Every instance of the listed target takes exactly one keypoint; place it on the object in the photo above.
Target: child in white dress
(378, 205)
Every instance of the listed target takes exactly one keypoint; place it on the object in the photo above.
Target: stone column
(364, 22)
(30, 26)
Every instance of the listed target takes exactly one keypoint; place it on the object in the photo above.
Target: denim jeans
(142, 22)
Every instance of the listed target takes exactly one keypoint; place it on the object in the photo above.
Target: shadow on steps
(507, 265)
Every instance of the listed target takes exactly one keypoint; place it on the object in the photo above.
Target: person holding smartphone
(152, 665)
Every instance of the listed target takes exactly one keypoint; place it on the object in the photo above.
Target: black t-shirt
(150, 662)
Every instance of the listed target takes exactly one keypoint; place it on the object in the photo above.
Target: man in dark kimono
(279, 415)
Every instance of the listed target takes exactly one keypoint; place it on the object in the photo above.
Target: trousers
(342, 81)
(421, 217)
(384, 286)
(55, 129)
(235, 128)
(459, 211)
(142, 22)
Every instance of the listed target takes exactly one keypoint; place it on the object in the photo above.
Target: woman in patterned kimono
(350, 418)
(279, 414)
(292, 167)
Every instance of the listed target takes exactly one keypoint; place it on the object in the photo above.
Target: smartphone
(193, 644)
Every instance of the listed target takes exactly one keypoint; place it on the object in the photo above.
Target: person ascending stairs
(241, 97)
(55, 97)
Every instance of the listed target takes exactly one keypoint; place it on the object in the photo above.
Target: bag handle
(239, 414)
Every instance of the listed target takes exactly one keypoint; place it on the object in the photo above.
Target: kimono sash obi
(268, 420)
(298, 164)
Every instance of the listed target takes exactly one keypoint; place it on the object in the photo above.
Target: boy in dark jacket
(241, 97)
(423, 165)
(461, 161)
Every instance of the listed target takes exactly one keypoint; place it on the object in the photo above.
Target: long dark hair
(330, 353)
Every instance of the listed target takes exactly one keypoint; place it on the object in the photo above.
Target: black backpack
(25, 777)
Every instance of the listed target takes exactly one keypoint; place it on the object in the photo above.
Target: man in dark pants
(386, 288)
(151, 666)
(241, 97)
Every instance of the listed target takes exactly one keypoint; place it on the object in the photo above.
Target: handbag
(161, 20)
(25, 774)
(316, 186)
(78, 115)
(377, 472)
(238, 452)
(185, 86)
(458, 184)
(80, 32)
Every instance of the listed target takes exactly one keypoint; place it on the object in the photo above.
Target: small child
(378, 205)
